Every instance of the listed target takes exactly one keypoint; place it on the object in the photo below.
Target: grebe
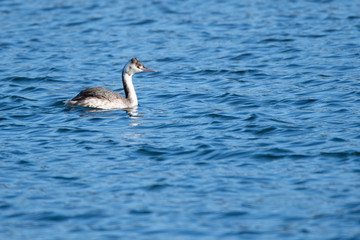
(98, 97)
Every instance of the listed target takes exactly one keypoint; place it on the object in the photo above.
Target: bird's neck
(129, 89)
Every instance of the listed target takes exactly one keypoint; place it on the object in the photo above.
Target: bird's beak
(147, 70)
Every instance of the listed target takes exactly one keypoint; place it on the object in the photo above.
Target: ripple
(234, 214)
(5, 205)
(140, 212)
(242, 56)
(341, 155)
(157, 187)
(249, 129)
(221, 116)
(312, 35)
(66, 178)
(270, 40)
(143, 22)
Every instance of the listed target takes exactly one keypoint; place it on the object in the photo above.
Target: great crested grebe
(98, 97)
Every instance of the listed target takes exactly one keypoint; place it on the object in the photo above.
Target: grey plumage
(97, 92)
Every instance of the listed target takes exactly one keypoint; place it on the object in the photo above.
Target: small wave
(270, 40)
(143, 22)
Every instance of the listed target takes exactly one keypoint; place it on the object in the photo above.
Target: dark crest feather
(137, 63)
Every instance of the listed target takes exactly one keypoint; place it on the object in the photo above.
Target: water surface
(249, 129)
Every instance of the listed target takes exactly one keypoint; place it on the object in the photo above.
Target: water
(249, 129)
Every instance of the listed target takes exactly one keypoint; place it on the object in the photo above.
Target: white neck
(129, 89)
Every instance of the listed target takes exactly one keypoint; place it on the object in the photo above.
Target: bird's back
(99, 93)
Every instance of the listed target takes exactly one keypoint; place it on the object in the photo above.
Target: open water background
(250, 129)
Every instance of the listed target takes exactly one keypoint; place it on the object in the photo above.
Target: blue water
(249, 129)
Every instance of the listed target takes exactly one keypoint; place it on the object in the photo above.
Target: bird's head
(135, 66)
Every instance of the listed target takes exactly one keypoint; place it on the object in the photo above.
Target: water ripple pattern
(249, 129)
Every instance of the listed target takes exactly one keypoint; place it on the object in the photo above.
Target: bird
(102, 98)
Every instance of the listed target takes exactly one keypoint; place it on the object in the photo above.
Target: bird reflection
(133, 113)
